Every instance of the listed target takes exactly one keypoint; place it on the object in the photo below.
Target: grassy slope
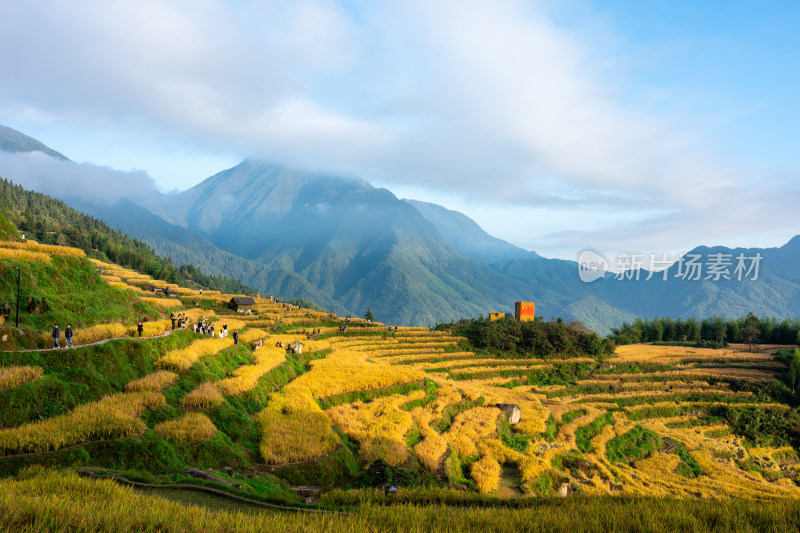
(78, 376)
(86, 374)
(82, 375)
(7, 230)
(74, 292)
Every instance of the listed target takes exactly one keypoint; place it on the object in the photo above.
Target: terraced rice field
(644, 422)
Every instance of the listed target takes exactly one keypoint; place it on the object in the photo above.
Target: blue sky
(557, 125)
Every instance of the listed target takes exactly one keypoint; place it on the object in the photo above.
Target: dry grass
(13, 376)
(103, 264)
(184, 291)
(469, 427)
(150, 328)
(184, 358)
(433, 446)
(246, 377)
(347, 371)
(157, 382)
(167, 303)
(192, 428)
(113, 416)
(294, 428)
(27, 255)
(100, 332)
(204, 396)
(380, 427)
(122, 285)
(486, 473)
(49, 249)
(252, 335)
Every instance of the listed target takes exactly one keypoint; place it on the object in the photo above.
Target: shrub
(638, 443)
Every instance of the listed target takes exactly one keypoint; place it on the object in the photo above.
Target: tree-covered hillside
(51, 221)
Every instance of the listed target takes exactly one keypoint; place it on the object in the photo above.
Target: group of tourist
(207, 328)
(57, 335)
(180, 320)
(291, 348)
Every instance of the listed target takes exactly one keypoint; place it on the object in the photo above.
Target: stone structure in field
(496, 316)
(524, 310)
(512, 410)
(242, 304)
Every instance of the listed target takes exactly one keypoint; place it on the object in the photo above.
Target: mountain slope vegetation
(487, 428)
(51, 221)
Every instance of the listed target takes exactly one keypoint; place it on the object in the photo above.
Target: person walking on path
(56, 334)
(235, 337)
(172, 317)
(68, 336)
(140, 329)
(225, 329)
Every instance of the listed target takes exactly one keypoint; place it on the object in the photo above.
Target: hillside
(361, 406)
(58, 285)
(51, 221)
(466, 236)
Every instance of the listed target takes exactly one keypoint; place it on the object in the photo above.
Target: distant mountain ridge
(13, 141)
(348, 246)
(467, 236)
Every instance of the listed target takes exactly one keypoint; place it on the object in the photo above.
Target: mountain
(775, 292)
(183, 246)
(348, 246)
(13, 141)
(359, 246)
(466, 236)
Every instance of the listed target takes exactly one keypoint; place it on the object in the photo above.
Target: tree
(368, 315)
(794, 369)
(751, 332)
(797, 340)
(693, 330)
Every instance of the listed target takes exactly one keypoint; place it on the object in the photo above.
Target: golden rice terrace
(305, 397)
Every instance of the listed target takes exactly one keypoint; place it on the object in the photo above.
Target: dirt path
(96, 343)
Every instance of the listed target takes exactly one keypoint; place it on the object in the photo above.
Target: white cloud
(66, 179)
(492, 99)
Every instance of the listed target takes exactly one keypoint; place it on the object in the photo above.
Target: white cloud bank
(66, 179)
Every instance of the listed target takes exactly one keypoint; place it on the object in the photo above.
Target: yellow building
(524, 310)
(496, 316)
